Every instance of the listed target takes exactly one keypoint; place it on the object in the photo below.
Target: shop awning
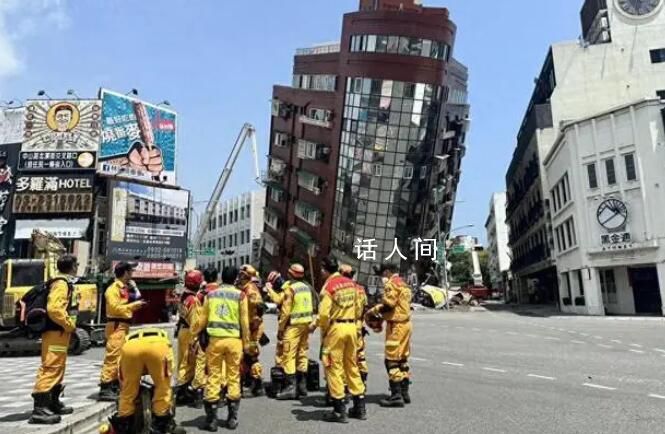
(69, 229)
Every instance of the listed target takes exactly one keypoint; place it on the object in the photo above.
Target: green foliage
(484, 259)
(461, 270)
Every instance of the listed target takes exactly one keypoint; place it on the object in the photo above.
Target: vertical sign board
(8, 162)
(11, 125)
(61, 135)
(138, 139)
(148, 224)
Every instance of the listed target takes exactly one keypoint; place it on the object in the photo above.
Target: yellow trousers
(223, 353)
(252, 358)
(295, 349)
(54, 359)
(279, 353)
(340, 347)
(362, 359)
(398, 349)
(187, 356)
(146, 354)
(115, 333)
(201, 371)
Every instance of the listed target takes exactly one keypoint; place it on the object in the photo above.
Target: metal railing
(333, 47)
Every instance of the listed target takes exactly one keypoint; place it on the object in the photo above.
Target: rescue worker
(295, 317)
(339, 312)
(348, 271)
(210, 275)
(273, 287)
(61, 311)
(187, 341)
(255, 308)
(119, 313)
(146, 350)
(395, 309)
(224, 315)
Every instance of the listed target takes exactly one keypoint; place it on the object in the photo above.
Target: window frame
(592, 183)
(631, 156)
(611, 180)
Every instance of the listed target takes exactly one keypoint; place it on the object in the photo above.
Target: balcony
(305, 240)
(317, 117)
(313, 151)
(327, 48)
(310, 182)
(273, 219)
(309, 213)
(276, 171)
(270, 244)
(276, 192)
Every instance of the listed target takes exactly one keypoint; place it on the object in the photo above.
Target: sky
(215, 62)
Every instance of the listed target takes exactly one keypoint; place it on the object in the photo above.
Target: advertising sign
(8, 162)
(147, 223)
(61, 134)
(152, 270)
(11, 125)
(53, 194)
(138, 139)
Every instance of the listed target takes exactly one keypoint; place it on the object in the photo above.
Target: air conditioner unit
(605, 36)
(604, 23)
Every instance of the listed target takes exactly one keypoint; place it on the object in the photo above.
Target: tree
(461, 270)
(484, 258)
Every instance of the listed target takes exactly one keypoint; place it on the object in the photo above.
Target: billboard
(138, 139)
(11, 125)
(8, 162)
(147, 224)
(53, 194)
(152, 270)
(61, 135)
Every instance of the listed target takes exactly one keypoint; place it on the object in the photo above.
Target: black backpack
(31, 314)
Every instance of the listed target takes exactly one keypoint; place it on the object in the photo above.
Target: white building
(234, 232)
(497, 242)
(605, 167)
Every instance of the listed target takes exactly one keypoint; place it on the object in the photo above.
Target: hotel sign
(59, 194)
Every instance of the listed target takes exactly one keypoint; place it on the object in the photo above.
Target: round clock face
(612, 214)
(638, 8)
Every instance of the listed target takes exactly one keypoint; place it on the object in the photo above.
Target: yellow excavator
(18, 276)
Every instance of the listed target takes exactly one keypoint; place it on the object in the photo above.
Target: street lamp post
(444, 260)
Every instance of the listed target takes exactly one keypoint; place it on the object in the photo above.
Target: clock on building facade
(612, 214)
(639, 8)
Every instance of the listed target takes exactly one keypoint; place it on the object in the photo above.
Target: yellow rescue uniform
(119, 312)
(395, 308)
(201, 371)
(362, 359)
(278, 299)
(61, 308)
(295, 317)
(339, 312)
(146, 351)
(187, 341)
(224, 315)
(256, 329)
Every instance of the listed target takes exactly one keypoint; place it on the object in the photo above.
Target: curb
(84, 421)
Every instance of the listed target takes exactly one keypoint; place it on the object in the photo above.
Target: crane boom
(247, 132)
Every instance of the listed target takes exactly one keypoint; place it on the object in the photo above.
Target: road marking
(542, 377)
(493, 330)
(605, 346)
(475, 329)
(653, 395)
(459, 365)
(573, 332)
(577, 342)
(616, 341)
(511, 333)
(636, 351)
(528, 335)
(459, 327)
(659, 350)
(418, 359)
(597, 337)
(598, 386)
(584, 334)
(636, 345)
(551, 338)
(503, 371)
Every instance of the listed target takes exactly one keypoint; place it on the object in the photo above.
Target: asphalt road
(498, 372)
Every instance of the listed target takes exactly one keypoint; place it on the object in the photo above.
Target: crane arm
(246, 132)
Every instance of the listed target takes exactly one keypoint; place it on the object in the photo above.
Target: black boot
(404, 385)
(198, 400)
(301, 378)
(107, 392)
(289, 392)
(363, 377)
(181, 396)
(358, 411)
(338, 414)
(122, 425)
(326, 401)
(232, 418)
(57, 406)
(211, 416)
(165, 425)
(41, 414)
(257, 387)
(395, 399)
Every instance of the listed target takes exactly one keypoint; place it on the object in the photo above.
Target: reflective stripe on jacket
(224, 312)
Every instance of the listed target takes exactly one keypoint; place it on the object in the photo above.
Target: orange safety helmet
(296, 271)
(193, 280)
(247, 272)
(347, 271)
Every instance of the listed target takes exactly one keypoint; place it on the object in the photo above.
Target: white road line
(418, 359)
(551, 338)
(598, 386)
(493, 330)
(459, 365)
(636, 345)
(605, 346)
(636, 351)
(584, 334)
(542, 377)
(572, 332)
(503, 371)
(577, 342)
(616, 341)
(653, 395)
(475, 329)
(659, 350)
(528, 335)
(511, 333)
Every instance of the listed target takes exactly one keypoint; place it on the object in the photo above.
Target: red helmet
(193, 280)
(273, 276)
